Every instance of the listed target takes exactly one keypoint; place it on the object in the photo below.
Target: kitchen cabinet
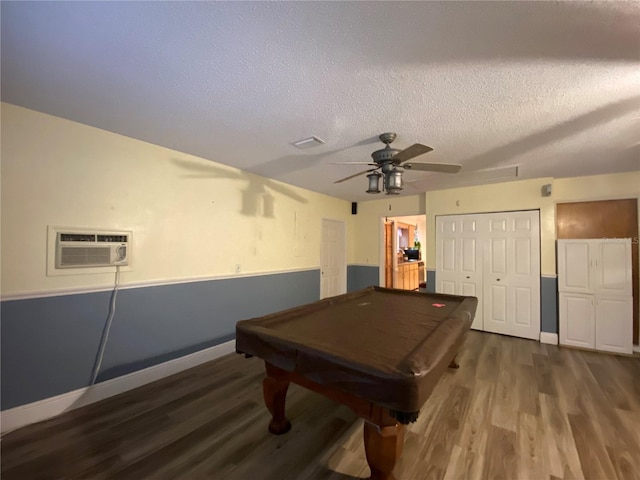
(409, 275)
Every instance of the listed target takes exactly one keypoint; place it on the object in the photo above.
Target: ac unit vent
(84, 256)
(77, 237)
(112, 238)
(83, 249)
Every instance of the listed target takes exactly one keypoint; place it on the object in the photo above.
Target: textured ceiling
(551, 87)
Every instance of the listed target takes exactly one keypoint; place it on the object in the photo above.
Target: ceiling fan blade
(356, 175)
(434, 167)
(411, 152)
(352, 163)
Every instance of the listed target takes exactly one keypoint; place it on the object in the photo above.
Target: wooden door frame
(388, 258)
(381, 250)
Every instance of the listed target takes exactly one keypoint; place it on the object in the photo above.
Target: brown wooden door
(388, 255)
(604, 219)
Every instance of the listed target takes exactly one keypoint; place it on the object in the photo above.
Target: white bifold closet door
(495, 257)
(459, 260)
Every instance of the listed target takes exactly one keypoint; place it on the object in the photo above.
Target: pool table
(379, 351)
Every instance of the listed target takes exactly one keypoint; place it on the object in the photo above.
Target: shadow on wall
(257, 197)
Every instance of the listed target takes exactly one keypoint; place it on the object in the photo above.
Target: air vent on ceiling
(308, 142)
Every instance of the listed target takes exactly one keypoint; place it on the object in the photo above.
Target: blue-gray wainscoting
(431, 281)
(361, 276)
(49, 344)
(549, 304)
(548, 300)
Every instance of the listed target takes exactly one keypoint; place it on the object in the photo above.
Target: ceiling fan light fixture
(393, 181)
(374, 182)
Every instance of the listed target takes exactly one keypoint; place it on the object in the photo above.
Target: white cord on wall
(107, 328)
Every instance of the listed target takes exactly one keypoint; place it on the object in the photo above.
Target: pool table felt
(387, 346)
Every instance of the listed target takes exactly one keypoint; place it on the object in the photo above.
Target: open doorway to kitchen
(404, 247)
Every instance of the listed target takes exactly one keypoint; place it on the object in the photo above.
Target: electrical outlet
(237, 268)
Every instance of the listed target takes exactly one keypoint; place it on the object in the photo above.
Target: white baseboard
(636, 348)
(50, 407)
(550, 338)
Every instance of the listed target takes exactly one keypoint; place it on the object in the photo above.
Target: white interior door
(512, 274)
(497, 307)
(459, 260)
(470, 255)
(447, 261)
(524, 282)
(333, 261)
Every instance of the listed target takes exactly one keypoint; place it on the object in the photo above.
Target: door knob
(468, 276)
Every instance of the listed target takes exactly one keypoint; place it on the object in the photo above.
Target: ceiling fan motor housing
(384, 155)
(387, 153)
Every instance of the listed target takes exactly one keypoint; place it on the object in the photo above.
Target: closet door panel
(613, 327)
(577, 320)
(575, 266)
(612, 266)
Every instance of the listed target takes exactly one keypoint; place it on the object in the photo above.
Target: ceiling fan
(389, 165)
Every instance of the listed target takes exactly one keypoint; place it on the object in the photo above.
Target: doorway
(403, 251)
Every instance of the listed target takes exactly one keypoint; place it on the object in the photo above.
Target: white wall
(191, 217)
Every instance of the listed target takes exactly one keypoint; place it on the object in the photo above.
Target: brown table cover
(387, 346)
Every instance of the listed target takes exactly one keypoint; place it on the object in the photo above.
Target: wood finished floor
(515, 409)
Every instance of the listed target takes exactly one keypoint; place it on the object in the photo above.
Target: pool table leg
(383, 446)
(275, 395)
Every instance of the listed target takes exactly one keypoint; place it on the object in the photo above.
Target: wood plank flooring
(516, 409)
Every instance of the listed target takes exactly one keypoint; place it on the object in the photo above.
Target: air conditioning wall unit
(79, 248)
